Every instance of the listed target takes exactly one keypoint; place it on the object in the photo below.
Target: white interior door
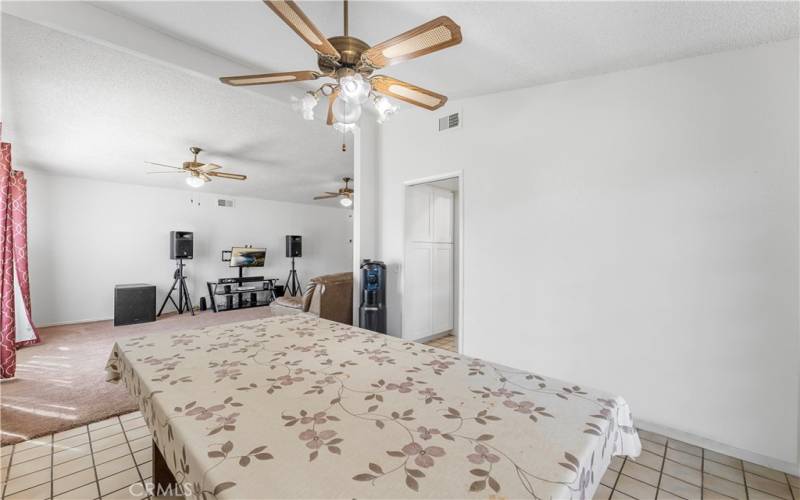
(442, 203)
(442, 288)
(419, 214)
(418, 305)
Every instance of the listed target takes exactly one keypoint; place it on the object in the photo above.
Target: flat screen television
(248, 257)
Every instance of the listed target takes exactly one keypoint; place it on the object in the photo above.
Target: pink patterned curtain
(13, 257)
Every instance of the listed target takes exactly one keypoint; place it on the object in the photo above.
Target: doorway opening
(432, 270)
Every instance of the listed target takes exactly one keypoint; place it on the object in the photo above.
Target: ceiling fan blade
(291, 14)
(162, 165)
(409, 93)
(326, 197)
(204, 177)
(267, 78)
(331, 99)
(332, 193)
(226, 175)
(208, 167)
(434, 35)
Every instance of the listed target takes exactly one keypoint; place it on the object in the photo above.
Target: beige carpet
(60, 384)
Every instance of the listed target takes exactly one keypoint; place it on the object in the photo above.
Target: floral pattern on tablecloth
(300, 407)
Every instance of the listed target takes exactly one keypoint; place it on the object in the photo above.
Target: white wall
(365, 207)
(85, 236)
(635, 232)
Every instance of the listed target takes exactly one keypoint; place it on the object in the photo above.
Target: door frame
(458, 304)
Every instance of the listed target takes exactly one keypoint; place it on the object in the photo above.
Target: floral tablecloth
(300, 407)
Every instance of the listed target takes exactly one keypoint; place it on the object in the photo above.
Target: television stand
(258, 292)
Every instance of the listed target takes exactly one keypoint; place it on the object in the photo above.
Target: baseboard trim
(434, 336)
(168, 312)
(756, 458)
(74, 322)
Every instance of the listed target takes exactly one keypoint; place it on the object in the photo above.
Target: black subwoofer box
(135, 303)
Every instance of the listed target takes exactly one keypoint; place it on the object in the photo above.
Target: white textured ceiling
(78, 108)
(506, 44)
(85, 109)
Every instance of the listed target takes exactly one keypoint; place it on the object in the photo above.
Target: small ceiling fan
(199, 173)
(351, 62)
(346, 193)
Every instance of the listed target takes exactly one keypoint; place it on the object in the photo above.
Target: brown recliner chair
(329, 296)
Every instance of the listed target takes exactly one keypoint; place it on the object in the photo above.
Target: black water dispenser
(372, 312)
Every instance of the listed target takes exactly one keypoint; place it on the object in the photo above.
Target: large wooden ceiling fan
(199, 173)
(351, 62)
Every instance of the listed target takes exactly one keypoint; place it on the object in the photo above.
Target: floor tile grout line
(746, 488)
(33, 471)
(679, 479)
(681, 464)
(30, 459)
(669, 440)
(105, 426)
(702, 472)
(724, 478)
(116, 474)
(72, 460)
(68, 437)
(76, 488)
(72, 473)
(738, 469)
(8, 470)
(124, 487)
(637, 480)
(661, 474)
(789, 483)
(621, 466)
(52, 468)
(94, 466)
(133, 458)
(720, 494)
(767, 493)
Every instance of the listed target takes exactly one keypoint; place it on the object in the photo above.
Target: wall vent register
(450, 121)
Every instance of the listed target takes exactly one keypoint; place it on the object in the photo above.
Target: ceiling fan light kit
(195, 181)
(351, 62)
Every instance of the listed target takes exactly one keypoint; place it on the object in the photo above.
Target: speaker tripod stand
(293, 282)
(184, 301)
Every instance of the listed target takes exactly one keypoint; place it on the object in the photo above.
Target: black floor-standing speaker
(294, 248)
(135, 303)
(181, 245)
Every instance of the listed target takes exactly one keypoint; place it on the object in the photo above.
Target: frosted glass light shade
(305, 105)
(195, 182)
(354, 89)
(345, 112)
(384, 107)
(345, 202)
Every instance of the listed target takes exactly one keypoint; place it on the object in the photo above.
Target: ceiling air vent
(449, 122)
(225, 203)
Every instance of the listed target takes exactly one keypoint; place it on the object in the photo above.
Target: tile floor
(447, 342)
(104, 459)
(670, 469)
(101, 460)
